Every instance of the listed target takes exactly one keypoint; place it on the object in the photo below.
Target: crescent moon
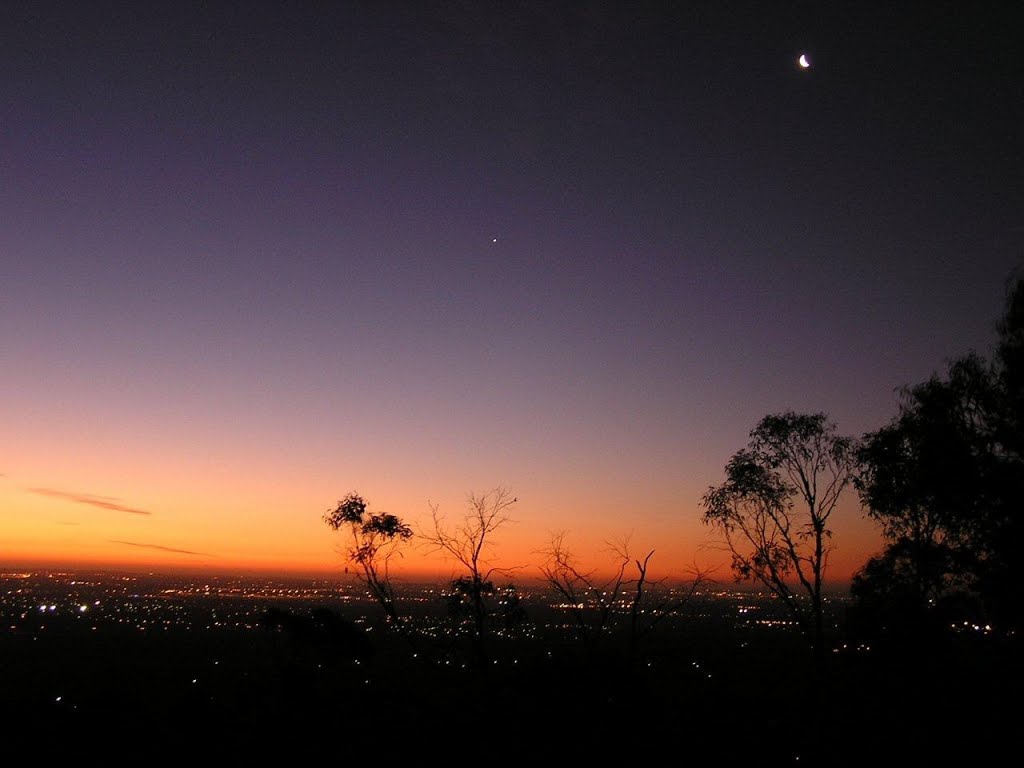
(804, 63)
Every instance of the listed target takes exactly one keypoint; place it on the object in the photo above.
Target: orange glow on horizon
(243, 515)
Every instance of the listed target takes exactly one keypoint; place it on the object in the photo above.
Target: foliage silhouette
(944, 481)
(774, 507)
(373, 540)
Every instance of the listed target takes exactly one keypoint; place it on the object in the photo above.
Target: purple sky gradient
(267, 232)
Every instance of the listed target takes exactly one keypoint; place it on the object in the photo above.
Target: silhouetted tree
(588, 599)
(888, 592)
(591, 600)
(774, 507)
(472, 594)
(373, 540)
(945, 481)
(1010, 370)
(502, 603)
(923, 478)
(1003, 579)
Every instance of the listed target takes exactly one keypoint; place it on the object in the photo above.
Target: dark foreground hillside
(697, 692)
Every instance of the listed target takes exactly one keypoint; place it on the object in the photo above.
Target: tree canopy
(944, 480)
(374, 538)
(774, 507)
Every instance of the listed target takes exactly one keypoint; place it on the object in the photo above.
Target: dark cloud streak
(159, 547)
(103, 502)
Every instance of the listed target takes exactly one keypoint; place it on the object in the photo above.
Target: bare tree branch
(592, 602)
(467, 542)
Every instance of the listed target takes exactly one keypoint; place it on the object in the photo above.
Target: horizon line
(267, 571)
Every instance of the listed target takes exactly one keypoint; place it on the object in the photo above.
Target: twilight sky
(256, 256)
